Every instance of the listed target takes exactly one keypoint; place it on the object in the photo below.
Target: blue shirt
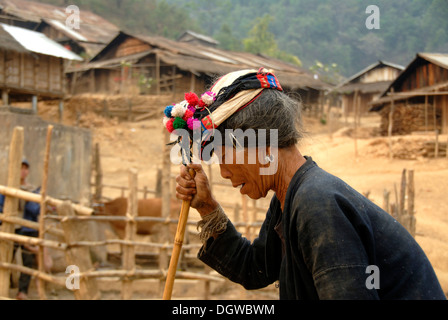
(322, 244)
(31, 211)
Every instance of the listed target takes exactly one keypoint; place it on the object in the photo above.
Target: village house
(366, 85)
(51, 20)
(31, 66)
(32, 69)
(152, 65)
(417, 100)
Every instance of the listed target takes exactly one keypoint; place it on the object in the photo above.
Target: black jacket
(336, 245)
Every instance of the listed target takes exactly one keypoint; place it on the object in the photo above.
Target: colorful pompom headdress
(231, 93)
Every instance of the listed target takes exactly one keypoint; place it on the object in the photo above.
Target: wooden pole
(11, 205)
(391, 119)
(411, 195)
(157, 74)
(355, 131)
(43, 207)
(402, 193)
(98, 173)
(128, 257)
(32, 241)
(76, 231)
(29, 196)
(31, 225)
(434, 99)
(178, 241)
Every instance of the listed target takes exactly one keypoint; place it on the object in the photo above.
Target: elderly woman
(321, 239)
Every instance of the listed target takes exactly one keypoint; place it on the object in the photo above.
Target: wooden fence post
(43, 209)
(402, 193)
(76, 231)
(128, 256)
(411, 194)
(390, 126)
(10, 208)
(98, 173)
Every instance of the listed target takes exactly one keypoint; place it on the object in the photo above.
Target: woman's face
(242, 168)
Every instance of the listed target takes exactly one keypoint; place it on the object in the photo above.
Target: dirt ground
(139, 144)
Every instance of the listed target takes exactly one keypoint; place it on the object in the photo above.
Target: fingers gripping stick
(178, 241)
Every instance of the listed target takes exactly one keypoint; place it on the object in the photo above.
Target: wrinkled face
(242, 168)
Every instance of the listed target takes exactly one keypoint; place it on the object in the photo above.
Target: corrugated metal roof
(39, 43)
(7, 42)
(93, 28)
(69, 31)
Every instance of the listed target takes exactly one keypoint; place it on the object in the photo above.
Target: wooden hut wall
(25, 73)
(424, 75)
(379, 74)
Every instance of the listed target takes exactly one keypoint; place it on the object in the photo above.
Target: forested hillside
(331, 32)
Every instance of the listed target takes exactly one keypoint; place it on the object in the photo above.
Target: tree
(262, 41)
(227, 40)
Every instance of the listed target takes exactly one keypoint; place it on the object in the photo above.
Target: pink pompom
(192, 109)
(192, 99)
(193, 124)
(170, 126)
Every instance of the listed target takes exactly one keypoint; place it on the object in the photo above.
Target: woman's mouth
(239, 186)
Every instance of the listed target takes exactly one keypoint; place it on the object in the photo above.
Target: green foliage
(262, 41)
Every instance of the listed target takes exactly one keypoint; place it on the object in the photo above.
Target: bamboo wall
(26, 73)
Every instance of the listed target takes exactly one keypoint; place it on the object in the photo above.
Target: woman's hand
(197, 189)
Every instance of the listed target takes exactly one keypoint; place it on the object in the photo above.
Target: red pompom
(202, 104)
(170, 125)
(188, 114)
(192, 98)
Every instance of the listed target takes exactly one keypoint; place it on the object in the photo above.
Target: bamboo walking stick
(178, 241)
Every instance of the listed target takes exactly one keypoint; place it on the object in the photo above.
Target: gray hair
(271, 110)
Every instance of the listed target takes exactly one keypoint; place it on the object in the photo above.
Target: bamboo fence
(403, 209)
